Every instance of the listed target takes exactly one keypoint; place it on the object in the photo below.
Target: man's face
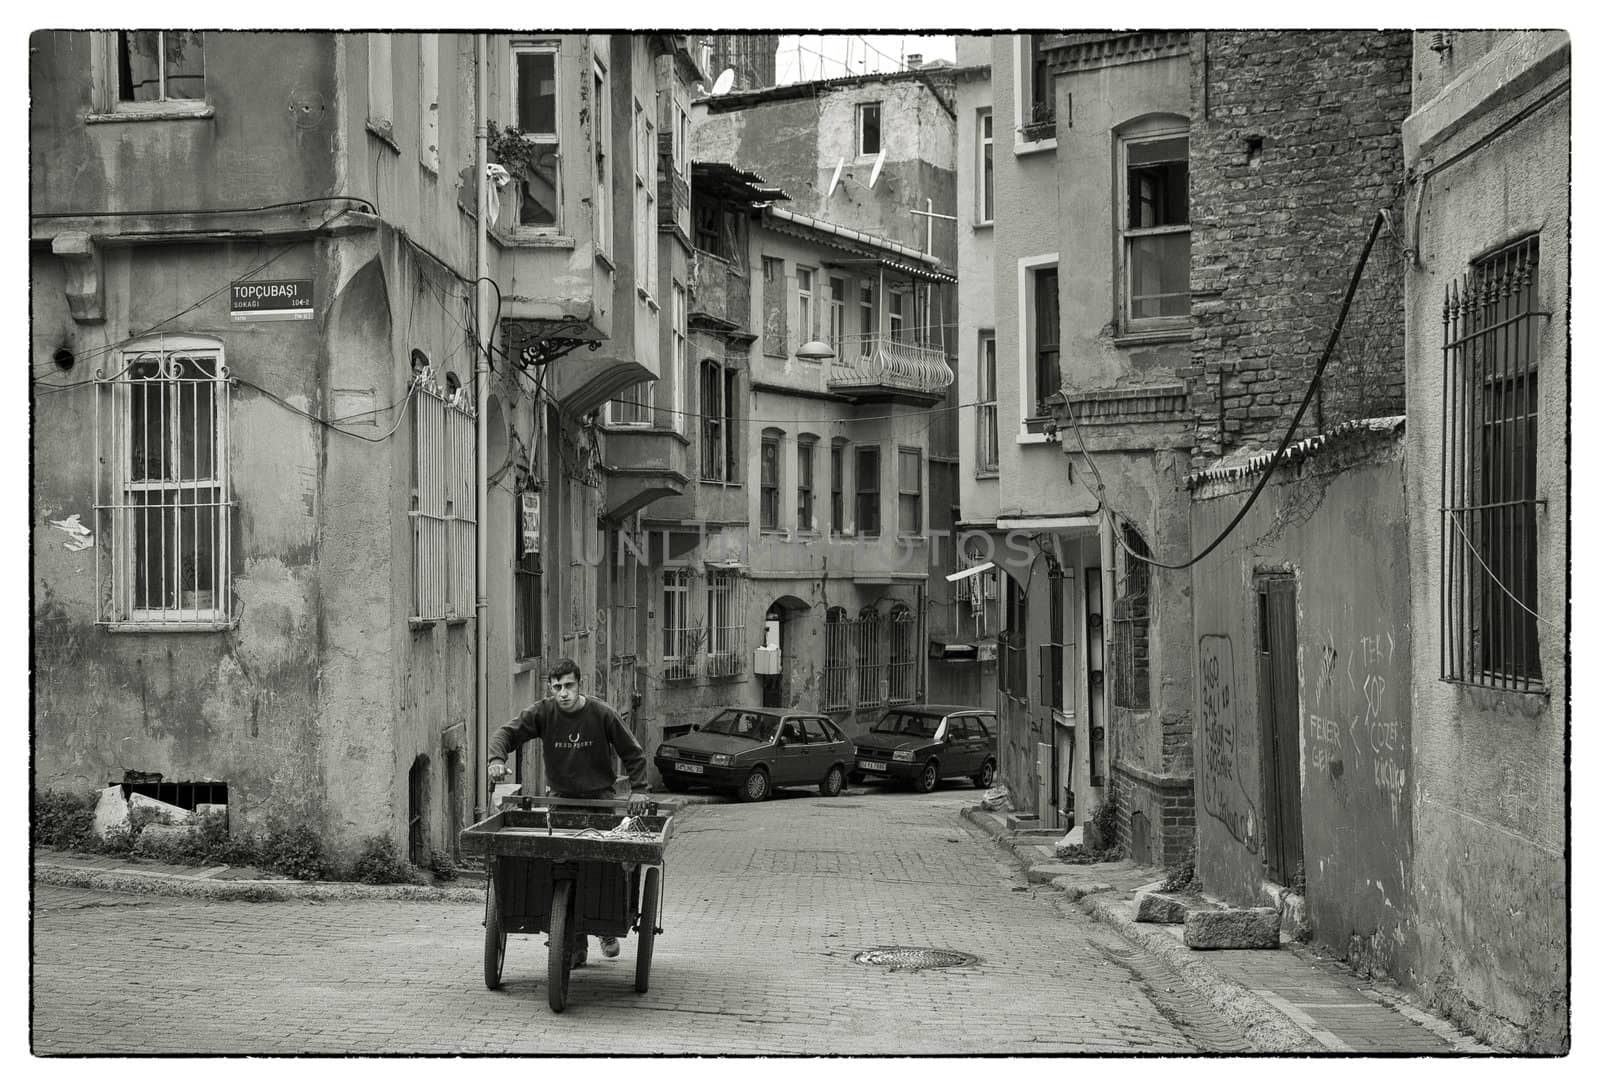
(564, 689)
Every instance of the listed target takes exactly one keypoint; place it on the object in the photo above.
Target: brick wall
(1155, 816)
(1294, 147)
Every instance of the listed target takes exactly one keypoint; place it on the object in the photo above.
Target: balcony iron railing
(892, 365)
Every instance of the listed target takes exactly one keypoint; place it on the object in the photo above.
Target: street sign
(271, 300)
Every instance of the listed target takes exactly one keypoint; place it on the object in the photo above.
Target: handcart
(571, 868)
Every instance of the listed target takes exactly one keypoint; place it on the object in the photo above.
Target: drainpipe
(481, 399)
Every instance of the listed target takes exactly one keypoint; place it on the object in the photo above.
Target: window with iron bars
(724, 625)
(975, 592)
(444, 518)
(837, 632)
(871, 681)
(680, 638)
(1130, 618)
(1490, 472)
(164, 509)
(902, 655)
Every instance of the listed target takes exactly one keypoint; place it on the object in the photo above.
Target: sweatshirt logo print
(572, 743)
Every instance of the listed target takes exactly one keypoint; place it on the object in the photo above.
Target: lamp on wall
(814, 351)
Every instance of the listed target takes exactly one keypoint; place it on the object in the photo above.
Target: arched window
(165, 521)
(771, 478)
(836, 662)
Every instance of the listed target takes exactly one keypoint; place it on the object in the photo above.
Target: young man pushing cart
(579, 735)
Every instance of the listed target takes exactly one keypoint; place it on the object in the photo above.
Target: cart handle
(605, 805)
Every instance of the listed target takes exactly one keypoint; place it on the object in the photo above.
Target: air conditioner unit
(767, 662)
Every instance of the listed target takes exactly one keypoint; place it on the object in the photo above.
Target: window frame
(679, 655)
(912, 456)
(875, 491)
(805, 280)
(866, 305)
(1151, 130)
(118, 511)
(528, 596)
(601, 154)
(680, 357)
(719, 419)
(770, 502)
(553, 140)
(984, 176)
(774, 308)
(1030, 426)
(836, 488)
(105, 55)
(805, 483)
(986, 463)
(862, 109)
(838, 291)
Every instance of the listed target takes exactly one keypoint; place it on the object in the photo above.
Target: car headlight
(666, 752)
(720, 760)
(903, 756)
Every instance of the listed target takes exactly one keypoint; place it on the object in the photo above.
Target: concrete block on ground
(1158, 909)
(1072, 837)
(144, 811)
(1243, 929)
(111, 811)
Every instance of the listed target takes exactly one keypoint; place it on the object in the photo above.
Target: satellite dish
(837, 172)
(877, 168)
(723, 83)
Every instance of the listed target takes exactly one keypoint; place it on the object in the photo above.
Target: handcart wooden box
(571, 868)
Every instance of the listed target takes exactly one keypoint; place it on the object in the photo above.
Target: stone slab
(144, 811)
(1242, 929)
(110, 811)
(1158, 909)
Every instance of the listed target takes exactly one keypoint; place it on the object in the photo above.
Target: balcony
(891, 371)
(644, 466)
(719, 293)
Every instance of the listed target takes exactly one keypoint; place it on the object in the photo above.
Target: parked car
(926, 744)
(748, 751)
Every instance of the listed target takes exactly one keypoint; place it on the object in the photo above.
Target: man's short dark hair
(562, 667)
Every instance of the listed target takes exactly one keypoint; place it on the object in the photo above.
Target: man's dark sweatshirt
(577, 746)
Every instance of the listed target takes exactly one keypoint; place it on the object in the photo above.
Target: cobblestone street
(764, 906)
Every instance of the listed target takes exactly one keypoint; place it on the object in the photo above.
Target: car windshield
(907, 724)
(753, 726)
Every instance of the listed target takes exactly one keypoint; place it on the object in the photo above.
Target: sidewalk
(128, 874)
(1288, 1000)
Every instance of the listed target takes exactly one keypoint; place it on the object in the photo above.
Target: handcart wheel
(561, 910)
(494, 939)
(648, 910)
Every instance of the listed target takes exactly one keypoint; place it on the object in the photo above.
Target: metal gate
(1280, 729)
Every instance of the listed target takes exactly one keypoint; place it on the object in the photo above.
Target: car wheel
(984, 778)
(928, 777)
(756, 787)
(833, 784)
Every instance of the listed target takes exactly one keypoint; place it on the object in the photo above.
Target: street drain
(913, 958)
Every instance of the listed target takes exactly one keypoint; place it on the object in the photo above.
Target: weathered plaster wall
(1339, 524)
(1491, 784)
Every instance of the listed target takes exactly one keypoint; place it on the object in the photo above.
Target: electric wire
(1379, 221)
(1511, 596)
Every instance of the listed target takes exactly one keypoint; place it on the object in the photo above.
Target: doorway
(1278, 682)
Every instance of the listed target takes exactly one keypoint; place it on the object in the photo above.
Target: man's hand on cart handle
(638, 803)
(498, 770)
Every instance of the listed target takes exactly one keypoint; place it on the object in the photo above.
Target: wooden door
(1280, 729)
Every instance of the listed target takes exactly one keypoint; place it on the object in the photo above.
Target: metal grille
(914, 958)
(902, 655)
(871, 685)
(445, 518)
(836, 662)
(164, 516)
(680, 642)
(1491, 399)
(724, 630)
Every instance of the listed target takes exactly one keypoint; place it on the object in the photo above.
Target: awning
(1050, 521)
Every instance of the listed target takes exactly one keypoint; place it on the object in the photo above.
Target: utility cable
(1379, 222)
(1511, 596)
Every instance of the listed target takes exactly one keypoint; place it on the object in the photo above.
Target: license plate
(688, 768)
(865, 765)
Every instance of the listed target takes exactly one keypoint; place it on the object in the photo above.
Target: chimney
(913, 60)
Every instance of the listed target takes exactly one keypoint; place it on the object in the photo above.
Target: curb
(1264, 1027)
(243, 890)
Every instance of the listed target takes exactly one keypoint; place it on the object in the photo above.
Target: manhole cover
(913, 958)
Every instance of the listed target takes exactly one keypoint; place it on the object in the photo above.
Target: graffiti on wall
(1359, 719)
(1221, 781)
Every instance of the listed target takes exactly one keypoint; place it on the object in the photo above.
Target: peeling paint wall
(1338, 524)
(1492, 129)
